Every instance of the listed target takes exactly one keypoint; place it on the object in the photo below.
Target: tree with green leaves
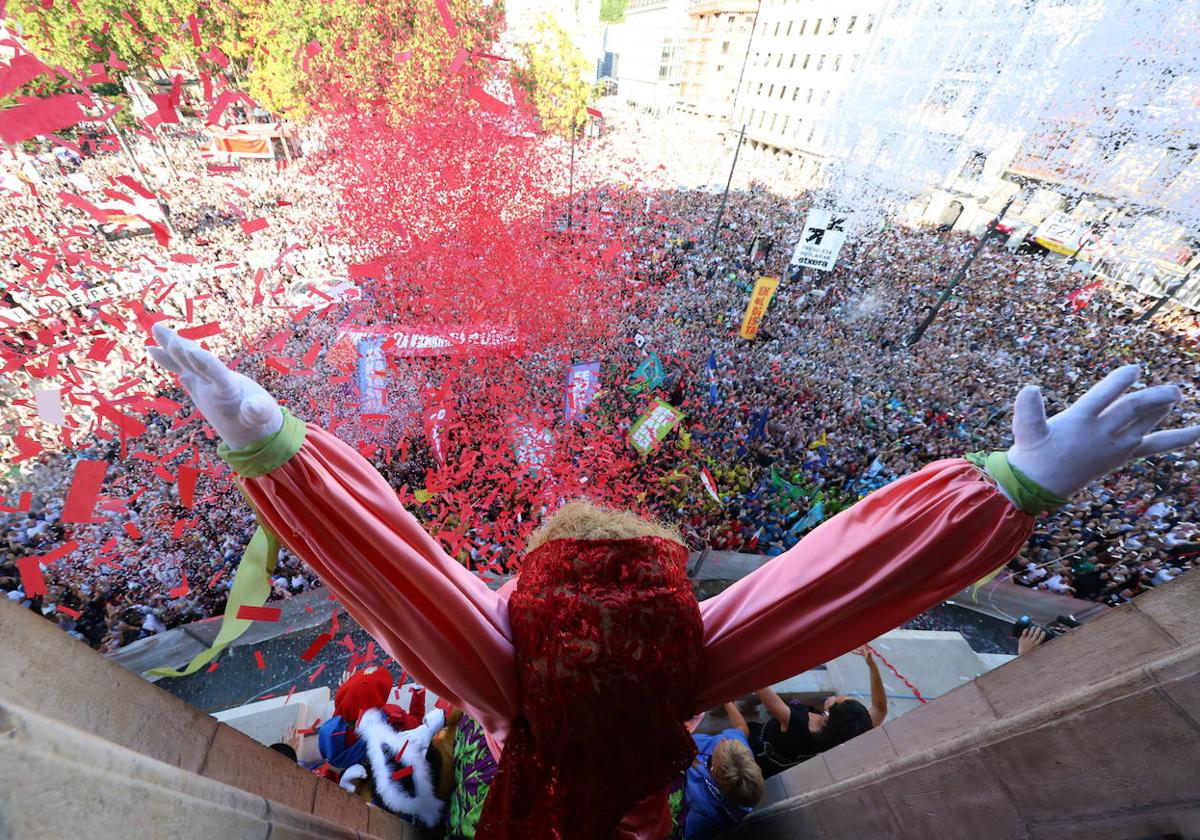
(613, 11)
(554, 73)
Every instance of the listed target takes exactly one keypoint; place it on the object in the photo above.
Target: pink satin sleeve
(899, 551)
(330, 507)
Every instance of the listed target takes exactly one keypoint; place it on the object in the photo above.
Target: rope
(899, 676)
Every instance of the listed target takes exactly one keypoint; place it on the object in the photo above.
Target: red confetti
(187, 486)
(32, 580)
(180, 590)
(253, 226)
(85, 487)
(258, 658)
(252, 613)
(311, 653)
(201, 331)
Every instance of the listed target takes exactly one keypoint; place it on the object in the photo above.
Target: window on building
(782, 91)
(724, 48)
(720, 67)
(774, 117)
(870, 22)
(779, 61)
(824, 97)
(771, 91)
(789, 29)
(729, 21)
(759, 91)
(850, 24)
(833, 25)
(808, 99)
(751, 120)
(821, 61)
(776, 32)
(795, 93)
(792, 63)
(763, 31)
(783, 128)
(762, 118)
(837, 64)
(807, 58)
(817, 27)
(803, 24)
(811, 132)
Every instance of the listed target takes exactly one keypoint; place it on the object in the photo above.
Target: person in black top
(797, 732)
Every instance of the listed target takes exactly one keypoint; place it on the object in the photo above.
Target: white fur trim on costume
(383, 744)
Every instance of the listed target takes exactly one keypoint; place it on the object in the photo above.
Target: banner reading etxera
(822, 240)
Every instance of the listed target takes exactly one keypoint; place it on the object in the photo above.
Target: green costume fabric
(474, 769)
(252, 580)
(1029, 497)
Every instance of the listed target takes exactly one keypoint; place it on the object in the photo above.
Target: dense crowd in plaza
(825, 405)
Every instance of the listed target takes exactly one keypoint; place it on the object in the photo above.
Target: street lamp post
(728, 181)
(571, 186)
(919, 332)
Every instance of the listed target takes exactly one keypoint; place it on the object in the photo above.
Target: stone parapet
(1093, 735)
(90, 750)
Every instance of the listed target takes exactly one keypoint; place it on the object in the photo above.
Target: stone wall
(90, 750)
(1094, 735)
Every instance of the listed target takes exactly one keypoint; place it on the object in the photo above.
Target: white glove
(1097, 434)
(351, 775)
(434, 720)
(237, 407)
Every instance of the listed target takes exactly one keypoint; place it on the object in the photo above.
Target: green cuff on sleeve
(1029, 497)
(268, 454)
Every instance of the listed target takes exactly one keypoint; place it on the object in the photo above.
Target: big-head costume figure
(585, 672)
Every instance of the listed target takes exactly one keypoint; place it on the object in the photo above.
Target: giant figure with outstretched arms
(584, 675)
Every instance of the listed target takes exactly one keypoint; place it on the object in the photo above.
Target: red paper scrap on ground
(253, 226)
(252, 613)
(85, 487)
(258, 658)
(318, 643)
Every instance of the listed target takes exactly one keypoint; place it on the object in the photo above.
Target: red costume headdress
(608, 640)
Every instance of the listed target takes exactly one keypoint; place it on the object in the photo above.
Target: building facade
(803, 63)
(714, 56)
(648, 48)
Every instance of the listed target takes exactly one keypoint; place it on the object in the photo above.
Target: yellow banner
(756, 309)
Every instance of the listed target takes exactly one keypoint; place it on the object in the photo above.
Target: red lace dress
(608, 643)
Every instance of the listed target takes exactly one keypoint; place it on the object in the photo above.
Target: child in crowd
(724, 782)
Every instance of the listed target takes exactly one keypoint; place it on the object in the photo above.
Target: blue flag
(758, 426)
(815, 516)
(711, 369)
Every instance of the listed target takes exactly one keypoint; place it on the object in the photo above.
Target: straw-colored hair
(737, 774)
(581, 520)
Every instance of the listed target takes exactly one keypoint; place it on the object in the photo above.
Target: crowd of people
(161, 574)
(825, 405)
